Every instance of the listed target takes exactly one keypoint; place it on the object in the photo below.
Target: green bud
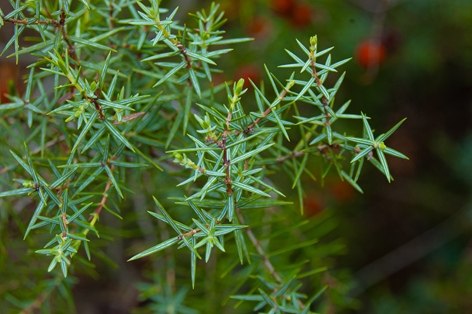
(93, 86)
(178, 156)
(239, 86)
(28, 184)
(313, 41)
(72, 117)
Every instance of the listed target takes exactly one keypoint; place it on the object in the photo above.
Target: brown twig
(265, 258)
(26, 22)
(112, 4)
(260, 250)
(189, 234)
(293, 155)
(4, 170)
(65, 36)
(105, 194)
(313, 68)
(59, 24)
(36, 304)
(192, 232)
(251, 126)
(178, 44)
(227, 164)
(99, 108)
(184, 52)
(314, 74)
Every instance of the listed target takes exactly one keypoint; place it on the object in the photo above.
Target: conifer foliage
(119, 100)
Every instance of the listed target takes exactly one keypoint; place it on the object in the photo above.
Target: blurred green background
(408, 243)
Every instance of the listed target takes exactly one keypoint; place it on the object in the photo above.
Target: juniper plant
(120, 92)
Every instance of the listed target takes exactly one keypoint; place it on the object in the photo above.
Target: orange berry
(369, 53)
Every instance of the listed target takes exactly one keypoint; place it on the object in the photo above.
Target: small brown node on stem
(248, 130)
(64, 219)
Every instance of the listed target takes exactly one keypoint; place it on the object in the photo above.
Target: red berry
(370, 53)
(301, 15)
(282, 7)
(341, 191)
(248, 71)
(8, 73)
(312, 205)
(259, 27)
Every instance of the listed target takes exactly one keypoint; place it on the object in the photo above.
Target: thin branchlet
(251, 126)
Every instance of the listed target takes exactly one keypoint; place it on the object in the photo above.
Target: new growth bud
(313, 42)
(239, 86)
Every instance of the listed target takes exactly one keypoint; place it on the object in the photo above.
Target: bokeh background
(408, 245)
